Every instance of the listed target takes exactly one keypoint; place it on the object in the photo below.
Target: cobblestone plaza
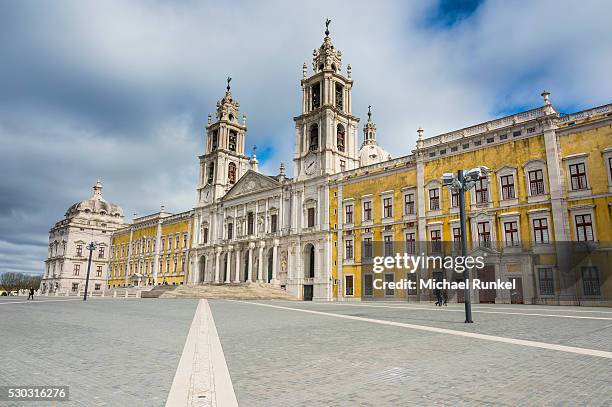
(114, 352)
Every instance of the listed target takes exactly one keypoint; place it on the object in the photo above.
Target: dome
(96, 205)
(372, 154)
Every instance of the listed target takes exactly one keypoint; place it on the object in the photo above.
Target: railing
(484, 127)
(586, 113)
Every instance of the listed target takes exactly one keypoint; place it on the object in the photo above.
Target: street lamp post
(91, 247)
(467, 298)
(461, 183)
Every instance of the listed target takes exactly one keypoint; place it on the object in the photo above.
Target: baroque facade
(541, 217)
(91, 220)
(550, 184)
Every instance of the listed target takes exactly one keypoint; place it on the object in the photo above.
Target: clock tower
(224, 160)
(326, 130)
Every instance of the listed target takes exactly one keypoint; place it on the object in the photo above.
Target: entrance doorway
(246, 267)
(486, 274)
(270, 265)
(308, 292)
(309, 261)
(516, 294)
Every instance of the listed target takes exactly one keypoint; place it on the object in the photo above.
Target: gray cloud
(121, 90)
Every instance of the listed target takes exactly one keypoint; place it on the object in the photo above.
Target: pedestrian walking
(445, 297)
(438, 295)
(31, 293)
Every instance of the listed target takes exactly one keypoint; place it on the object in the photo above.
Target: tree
(11, 281)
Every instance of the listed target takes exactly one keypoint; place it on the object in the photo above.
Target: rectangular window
(97, 287)
(457, 238)
(315, 92)
(584, 228)
(184, 239)
(339, 97)
(436, 240)
(507, 183)
(348, 209)
(79, 250)
(412, 287)
(101, 252)
(250, 223)
(409, 204)
(77, 269)
(169, 243)
(388, 207)
(590, 281)
(205, 237)
(367, 248)
(454, 199)
(540, 231)
(578, 176)
(342, 165)
(348, 285)
(274, 223)
(178, 241)
(311, 217)
(98, 271)
(511, 233)
(484, 234)
(230, 231)
(546, 281)
(434, 199)
(348, 249)
(388, 245)
(536, 182)
(75, 287)
(482, 192)
(367, 210)
(368, 285)
(410, 243)
(389, 278)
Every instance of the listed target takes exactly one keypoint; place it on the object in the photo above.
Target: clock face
(310, 164)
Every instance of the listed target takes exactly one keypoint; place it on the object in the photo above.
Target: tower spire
(369, 129)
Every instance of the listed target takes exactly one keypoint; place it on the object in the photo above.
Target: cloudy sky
(121, 90)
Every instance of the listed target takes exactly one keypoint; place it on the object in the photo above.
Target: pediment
(251, 182)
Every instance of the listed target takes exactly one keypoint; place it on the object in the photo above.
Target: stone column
(260, 262)
(217, 258)
(274, 263)
(250, 271)
(228, 266)
(237, 276)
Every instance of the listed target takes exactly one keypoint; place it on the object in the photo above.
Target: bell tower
(224, 160)
(326, 130)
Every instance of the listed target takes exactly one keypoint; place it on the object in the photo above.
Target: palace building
(92, 219)
(541, 216)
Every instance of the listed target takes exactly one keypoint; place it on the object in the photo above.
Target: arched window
(211, 173)
(232, 140)
(314, 138)
(231, 173)
(340, 137)
(215, 140)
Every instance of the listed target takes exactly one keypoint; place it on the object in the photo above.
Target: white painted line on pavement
(38, 301)
(547, 308)
(202, 377)
(461, 310)
(493, 338)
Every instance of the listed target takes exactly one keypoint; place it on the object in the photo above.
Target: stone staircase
(235, 291)
(158, 291)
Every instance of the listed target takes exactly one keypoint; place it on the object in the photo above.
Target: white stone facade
(91, 220)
